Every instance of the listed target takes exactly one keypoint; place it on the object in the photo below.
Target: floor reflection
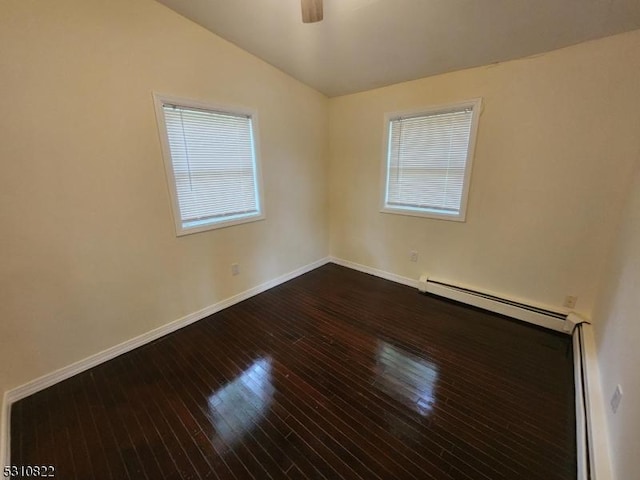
(406, 378)
(238, 406)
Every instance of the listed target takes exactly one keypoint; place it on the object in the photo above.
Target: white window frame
(476, 106)
(160, 100)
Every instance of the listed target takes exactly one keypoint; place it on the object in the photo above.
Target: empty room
(363, 239)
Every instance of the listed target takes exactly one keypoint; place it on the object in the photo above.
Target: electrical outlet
(616, 399)
(570, 301)
(235, 269)
(413, 256)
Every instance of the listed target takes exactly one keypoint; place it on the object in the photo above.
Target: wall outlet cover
(570, 301)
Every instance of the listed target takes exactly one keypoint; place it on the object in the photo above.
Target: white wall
(556, 143)
(617, 322)
(88, 253)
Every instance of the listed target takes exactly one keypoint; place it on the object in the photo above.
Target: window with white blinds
(428, 161)
(211, 165)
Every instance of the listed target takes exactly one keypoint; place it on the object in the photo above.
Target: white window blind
(213, 162)
(428, 159)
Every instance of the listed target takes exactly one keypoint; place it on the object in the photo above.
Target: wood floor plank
(336, 374)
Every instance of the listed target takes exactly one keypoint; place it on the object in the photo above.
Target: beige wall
(556, 143)
(88, 253)
(617, 322)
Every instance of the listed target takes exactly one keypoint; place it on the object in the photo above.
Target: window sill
(459, 217)
(182, 231)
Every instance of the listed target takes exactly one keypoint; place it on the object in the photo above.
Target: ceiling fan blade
(311, 11)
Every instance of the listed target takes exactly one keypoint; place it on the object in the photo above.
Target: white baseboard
(29, 388)
(410, 282)
(594, 461)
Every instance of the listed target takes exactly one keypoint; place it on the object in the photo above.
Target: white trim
(29, 388)
(410, 212)
(581, 423)
(4, 430)
(159, 101)
(476, 106)
(596, 416)
(375, 272)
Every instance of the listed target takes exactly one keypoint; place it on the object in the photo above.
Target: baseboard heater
(591, 431)
(538, 315)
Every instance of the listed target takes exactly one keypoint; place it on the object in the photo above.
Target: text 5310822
(29, 471)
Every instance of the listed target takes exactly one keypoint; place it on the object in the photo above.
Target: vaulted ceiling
(363, 44)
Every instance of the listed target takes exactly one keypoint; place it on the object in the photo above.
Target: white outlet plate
(235, 269)
(413, 256)
(570, 301)
(616, 399)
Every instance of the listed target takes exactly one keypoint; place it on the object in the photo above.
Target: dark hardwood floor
(335, 374)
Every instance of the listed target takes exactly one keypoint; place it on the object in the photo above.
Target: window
(211, 164)
(428, 161)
